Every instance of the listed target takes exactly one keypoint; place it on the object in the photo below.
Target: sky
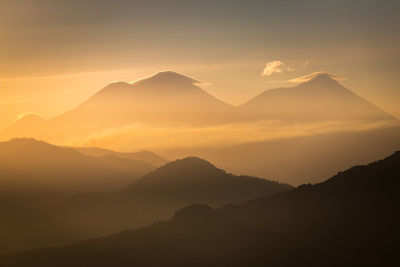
(56, 54)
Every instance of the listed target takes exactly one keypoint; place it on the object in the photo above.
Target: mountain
(31, 166)
(322, 98)
(145, 156)
(349, 220)
(153, 197)
(166, 98)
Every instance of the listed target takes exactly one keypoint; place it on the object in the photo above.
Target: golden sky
(56, 54)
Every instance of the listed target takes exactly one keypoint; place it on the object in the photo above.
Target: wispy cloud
(28, 114)
(276, 66)
(308, 77)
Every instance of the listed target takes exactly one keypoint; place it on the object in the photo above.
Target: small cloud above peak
(319, 75)
(276, 66)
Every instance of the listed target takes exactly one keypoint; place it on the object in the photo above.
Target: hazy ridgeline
(199, 133)
(54, 195)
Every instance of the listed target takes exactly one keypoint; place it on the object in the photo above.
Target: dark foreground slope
(349, 220)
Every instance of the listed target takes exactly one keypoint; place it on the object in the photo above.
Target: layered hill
(31, 166)
(349, 220)
(312, 158)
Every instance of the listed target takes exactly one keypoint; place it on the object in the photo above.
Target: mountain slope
(31, 166)
(320, 99)
(349, 220)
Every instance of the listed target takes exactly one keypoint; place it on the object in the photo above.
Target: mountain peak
(189, 164)
(322, 81)
(323, 76)
(168, 76)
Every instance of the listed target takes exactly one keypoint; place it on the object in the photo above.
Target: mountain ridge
(31, 166)
(172, 99)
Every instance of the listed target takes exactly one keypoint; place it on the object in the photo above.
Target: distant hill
(349, 220)
(26, 124)
(320, 99)
(151, 198)
(145, 156)
(31, 166)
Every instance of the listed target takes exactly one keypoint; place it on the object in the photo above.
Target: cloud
(276, 66)
(308, 77)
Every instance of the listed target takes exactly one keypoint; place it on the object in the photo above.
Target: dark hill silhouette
(349, 220)
(194, 180)
(320, 99)
(153, 197)
(145, 156)
(31, 166)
